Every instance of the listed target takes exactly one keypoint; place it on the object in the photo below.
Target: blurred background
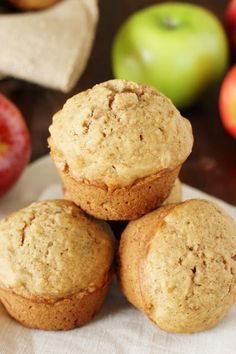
(212, 165)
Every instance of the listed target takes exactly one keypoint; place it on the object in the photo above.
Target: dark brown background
(212, 165)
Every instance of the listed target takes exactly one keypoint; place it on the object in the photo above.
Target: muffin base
(120, 203)
(64, 314)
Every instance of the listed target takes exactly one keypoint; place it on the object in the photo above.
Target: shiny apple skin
(15, 144)
(179, 48)
(227, 102)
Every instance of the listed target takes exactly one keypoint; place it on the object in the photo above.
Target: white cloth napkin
(119, 328)
(49, 47)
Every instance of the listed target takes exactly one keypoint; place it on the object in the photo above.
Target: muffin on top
(119, 148)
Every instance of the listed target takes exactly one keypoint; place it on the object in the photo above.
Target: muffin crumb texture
(118, 132)
(178, 265)
(52, 249)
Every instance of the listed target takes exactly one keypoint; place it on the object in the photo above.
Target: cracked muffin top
(117, 132)
(188, 254)
(52, 249)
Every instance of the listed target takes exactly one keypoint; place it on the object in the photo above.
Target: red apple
(230, 23)
(15, 146)
(227, 101)
(230, 14)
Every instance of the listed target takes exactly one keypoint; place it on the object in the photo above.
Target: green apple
(179, 48)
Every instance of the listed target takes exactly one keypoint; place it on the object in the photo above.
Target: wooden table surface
(212, 165)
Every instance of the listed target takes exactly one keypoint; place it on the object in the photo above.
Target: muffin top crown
(52, 249)
(193, 239)
(178, 265)
(118, 132)
(192, 254)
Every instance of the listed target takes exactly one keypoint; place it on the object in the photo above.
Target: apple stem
(170, 23)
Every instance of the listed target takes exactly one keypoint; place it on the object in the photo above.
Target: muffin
(55, 265)
(175, 193)
(32, 4)
(174, 197)
(119, 148)
(178, 265)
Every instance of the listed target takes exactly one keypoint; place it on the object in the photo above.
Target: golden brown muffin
(175, 193)
(55, 265)
(178, 265)
(119, 148)
(32, 4)
(119, 226)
